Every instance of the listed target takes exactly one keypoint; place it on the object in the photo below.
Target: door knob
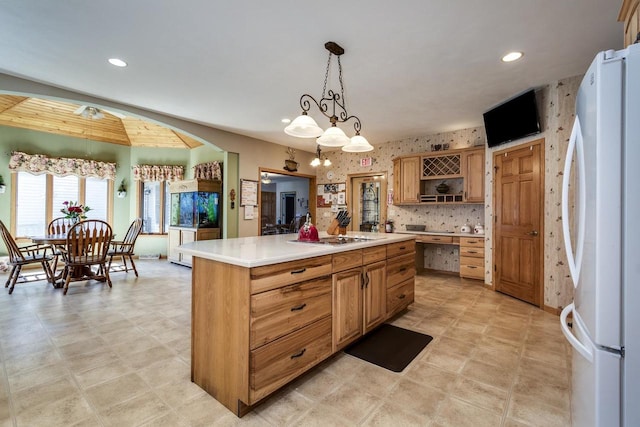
(533, 233)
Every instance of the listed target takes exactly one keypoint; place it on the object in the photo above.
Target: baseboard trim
(552, 310)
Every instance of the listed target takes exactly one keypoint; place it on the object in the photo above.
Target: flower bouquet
(74, 210)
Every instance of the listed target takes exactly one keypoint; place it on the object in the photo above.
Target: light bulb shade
(303, 127)
(327, 162)
(315, 162)
(333, 137)
(358, 144)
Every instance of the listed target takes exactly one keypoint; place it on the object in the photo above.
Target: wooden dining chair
(23, 255)
(58, 226)
(87, 246)
(124, 248)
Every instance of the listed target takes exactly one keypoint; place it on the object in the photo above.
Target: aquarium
(195, 209)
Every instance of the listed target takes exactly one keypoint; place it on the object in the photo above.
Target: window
(39, 199)
(154, 206)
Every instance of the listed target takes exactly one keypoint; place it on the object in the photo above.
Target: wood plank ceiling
(59, 118)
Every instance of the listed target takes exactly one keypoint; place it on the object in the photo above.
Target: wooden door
(518, 218)
(268, 207)
(375, 293)
(347, 307)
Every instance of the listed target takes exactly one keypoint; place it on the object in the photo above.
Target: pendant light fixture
(333, 106)
(265, 178)
(317, 161)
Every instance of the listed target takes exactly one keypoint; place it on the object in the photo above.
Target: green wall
(124, 210)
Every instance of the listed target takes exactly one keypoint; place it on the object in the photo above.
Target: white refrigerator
(602, 240)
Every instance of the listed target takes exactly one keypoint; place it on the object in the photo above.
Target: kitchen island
(267, 309)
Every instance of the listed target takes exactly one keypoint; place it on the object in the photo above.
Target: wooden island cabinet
(266, 309)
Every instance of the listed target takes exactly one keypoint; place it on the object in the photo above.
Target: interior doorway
(519, 222)
(367, 194)
(287, 206)
(285, 199)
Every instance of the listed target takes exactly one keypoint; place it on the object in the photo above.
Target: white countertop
(439, 233)
(266, 250)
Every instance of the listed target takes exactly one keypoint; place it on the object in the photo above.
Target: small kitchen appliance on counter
(308, 232)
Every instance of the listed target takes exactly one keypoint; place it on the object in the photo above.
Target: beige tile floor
(120, 357)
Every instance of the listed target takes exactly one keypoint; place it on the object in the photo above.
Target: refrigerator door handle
(575, 143)
(575, 343)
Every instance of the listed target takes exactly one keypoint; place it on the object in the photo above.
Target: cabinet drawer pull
(298, 354)
(472, 252)
(403, 296)
(471, 266)
(435, 238)
(302, 270)
(402, 248)
(472, 241)
(299, 307)
(402, 269)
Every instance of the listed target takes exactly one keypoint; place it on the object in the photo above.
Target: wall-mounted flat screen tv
(513, 119)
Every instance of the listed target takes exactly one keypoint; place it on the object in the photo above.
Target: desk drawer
(474, 261)
(399, 297)
(445, 240)
(400, 269)
(472, 271)
(476, 242)
(401, 248)
(374, 254)
(286, 273)
(471, 251)
(281, 311)
(278, 362)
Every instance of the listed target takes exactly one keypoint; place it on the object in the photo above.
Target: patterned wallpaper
(556, 102)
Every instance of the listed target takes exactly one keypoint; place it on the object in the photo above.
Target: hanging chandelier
(317, 161)
(333, 106)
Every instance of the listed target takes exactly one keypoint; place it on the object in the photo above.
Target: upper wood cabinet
(630, 15)
(416, 178)
(473, 166)
(406, 180)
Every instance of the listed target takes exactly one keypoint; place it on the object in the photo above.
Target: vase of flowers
(74, 211)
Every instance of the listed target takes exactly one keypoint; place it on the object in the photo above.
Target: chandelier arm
(326, 74)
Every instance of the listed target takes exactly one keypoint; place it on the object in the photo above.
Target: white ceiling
(411, 67)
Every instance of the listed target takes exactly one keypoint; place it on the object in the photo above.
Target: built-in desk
(471, 250)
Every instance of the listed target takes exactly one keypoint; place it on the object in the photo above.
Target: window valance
(38, 164)
(158, 173)
(211, 170)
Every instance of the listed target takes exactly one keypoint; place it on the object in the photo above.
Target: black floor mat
(390, 347)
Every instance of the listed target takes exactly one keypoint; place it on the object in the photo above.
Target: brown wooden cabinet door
(410, 180)
(375, 295)
(397, 182)
(473, 162)
(518, 214)
(347, 307)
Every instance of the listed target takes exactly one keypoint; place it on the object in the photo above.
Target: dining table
(60, 240)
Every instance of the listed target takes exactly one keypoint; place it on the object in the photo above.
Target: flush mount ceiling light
(117, 62)
(265, 178)
(512, 56)
(317, 161)
(333, 106)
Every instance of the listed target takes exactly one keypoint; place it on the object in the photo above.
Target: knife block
(334, 228)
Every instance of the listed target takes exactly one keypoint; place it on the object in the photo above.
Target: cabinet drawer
(374, 254)
(400, 269)
(399, 297)
(278, 362)
(445, 240)
(472, 271)
(281, 311)
(401, 248)
(346, 260)
(476, 242)
(471, 251)
(286, 273)
(472, 261)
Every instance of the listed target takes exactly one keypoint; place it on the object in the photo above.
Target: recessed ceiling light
(286, 120)
(117, 62)
(512, 56)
